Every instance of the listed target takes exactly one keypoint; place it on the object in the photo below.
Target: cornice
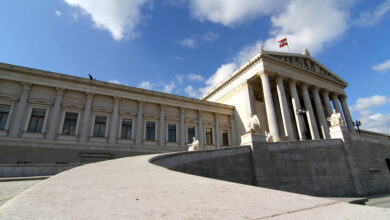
(97, 83)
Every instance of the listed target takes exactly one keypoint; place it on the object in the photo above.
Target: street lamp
(357, 124)
(301, 112)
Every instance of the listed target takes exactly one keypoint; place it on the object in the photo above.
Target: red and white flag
(282, 42)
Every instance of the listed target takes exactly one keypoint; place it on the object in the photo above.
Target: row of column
(84, 125)
(322, 122)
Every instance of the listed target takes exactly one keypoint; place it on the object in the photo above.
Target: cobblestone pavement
(10, 189)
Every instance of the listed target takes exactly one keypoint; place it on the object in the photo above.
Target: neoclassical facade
(292, 95)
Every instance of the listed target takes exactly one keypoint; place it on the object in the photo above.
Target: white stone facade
(44, 105)
(291, 94)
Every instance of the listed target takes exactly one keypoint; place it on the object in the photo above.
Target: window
(190, 134)
(126, 128)
(150, 130)
(4, 112)
(70, 123)
(209, 136)
(171, 133)
(225, 138)
(100, 126)
(36, 120)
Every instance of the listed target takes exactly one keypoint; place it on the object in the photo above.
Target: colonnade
(316, 113)
(54, 114)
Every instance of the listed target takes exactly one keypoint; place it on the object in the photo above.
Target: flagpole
(288, 47)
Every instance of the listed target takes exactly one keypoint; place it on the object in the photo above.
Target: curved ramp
(133, 188)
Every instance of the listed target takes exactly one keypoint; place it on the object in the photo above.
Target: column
(323, 123)
(161, 135)
(52, 129)
(86, 118)
(249, 98)
(114, 121)
(336, 104)
(347, 114)
(200, 130)
(19, 113)
(182, 133)
(269, 107)
(310, 114)
(217, 132)
(233, 134)
(138, 137)
(328, 107)
(287, 124)
(296, 105)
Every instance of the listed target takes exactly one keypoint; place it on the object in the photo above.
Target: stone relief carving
(194, 146)
(253, 124)
(307, 64)
(336, 119)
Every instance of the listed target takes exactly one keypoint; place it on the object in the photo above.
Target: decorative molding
(125, 112)
(72, 105)
(40, 101)
(9, 97)
(101, 109)
(146, 115)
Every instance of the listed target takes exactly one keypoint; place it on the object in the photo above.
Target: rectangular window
(171, 133)
(190, 134)
(209, 136)
(150, 130)
(99, 129)
(70, 123)
(4, 112)
(36, 120)
(126, 128)
(225, 138)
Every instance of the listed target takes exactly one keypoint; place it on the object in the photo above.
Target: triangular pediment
(305, 62)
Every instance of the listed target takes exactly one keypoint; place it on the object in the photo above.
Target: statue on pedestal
(336, 119)
(194, 146)
(253, 124)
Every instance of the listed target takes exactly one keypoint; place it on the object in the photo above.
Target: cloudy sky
(185, 47)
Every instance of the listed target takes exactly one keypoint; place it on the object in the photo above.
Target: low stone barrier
(26, 170)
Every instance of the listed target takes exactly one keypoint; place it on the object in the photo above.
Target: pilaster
(310, 113)
(20, 109)
(139, 129)
(296, 105)
(114, 121)
(86, 118)
(54, 117)
(161, 136)
(323, 123)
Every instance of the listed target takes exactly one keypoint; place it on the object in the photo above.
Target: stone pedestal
(247, 139)
(340, 132)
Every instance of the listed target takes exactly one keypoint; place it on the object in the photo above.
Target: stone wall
(320, 168)
(26, 170)
(232, 164)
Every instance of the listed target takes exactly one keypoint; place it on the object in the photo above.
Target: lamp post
(301, 112)
(358, 124)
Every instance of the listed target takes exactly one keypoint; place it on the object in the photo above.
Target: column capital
(117, 99)
(162, 107)
(182, 109)
(140, 103)
(27, 86)
(279, 78)
(304, 86)
(262, 73)
(90, 95)
(343, 96)
(315, 89)
(60, 91)
(325, 92)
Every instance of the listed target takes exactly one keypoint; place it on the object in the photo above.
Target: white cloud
(119, 17)
(382, 67)
(371, 102)
(188, 42)
(195, 77)
(222, 72)
(308, 24)
(58, 13)
(373, 17)
(115, 81)
(179, 78)
(145, 85)
(373, 121)
(190, 91)
(210, 36)
(168, 88)
(232, 12)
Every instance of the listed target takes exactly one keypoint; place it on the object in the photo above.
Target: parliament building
(48, 117)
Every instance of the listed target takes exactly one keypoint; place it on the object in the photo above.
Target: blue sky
(185, 47)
